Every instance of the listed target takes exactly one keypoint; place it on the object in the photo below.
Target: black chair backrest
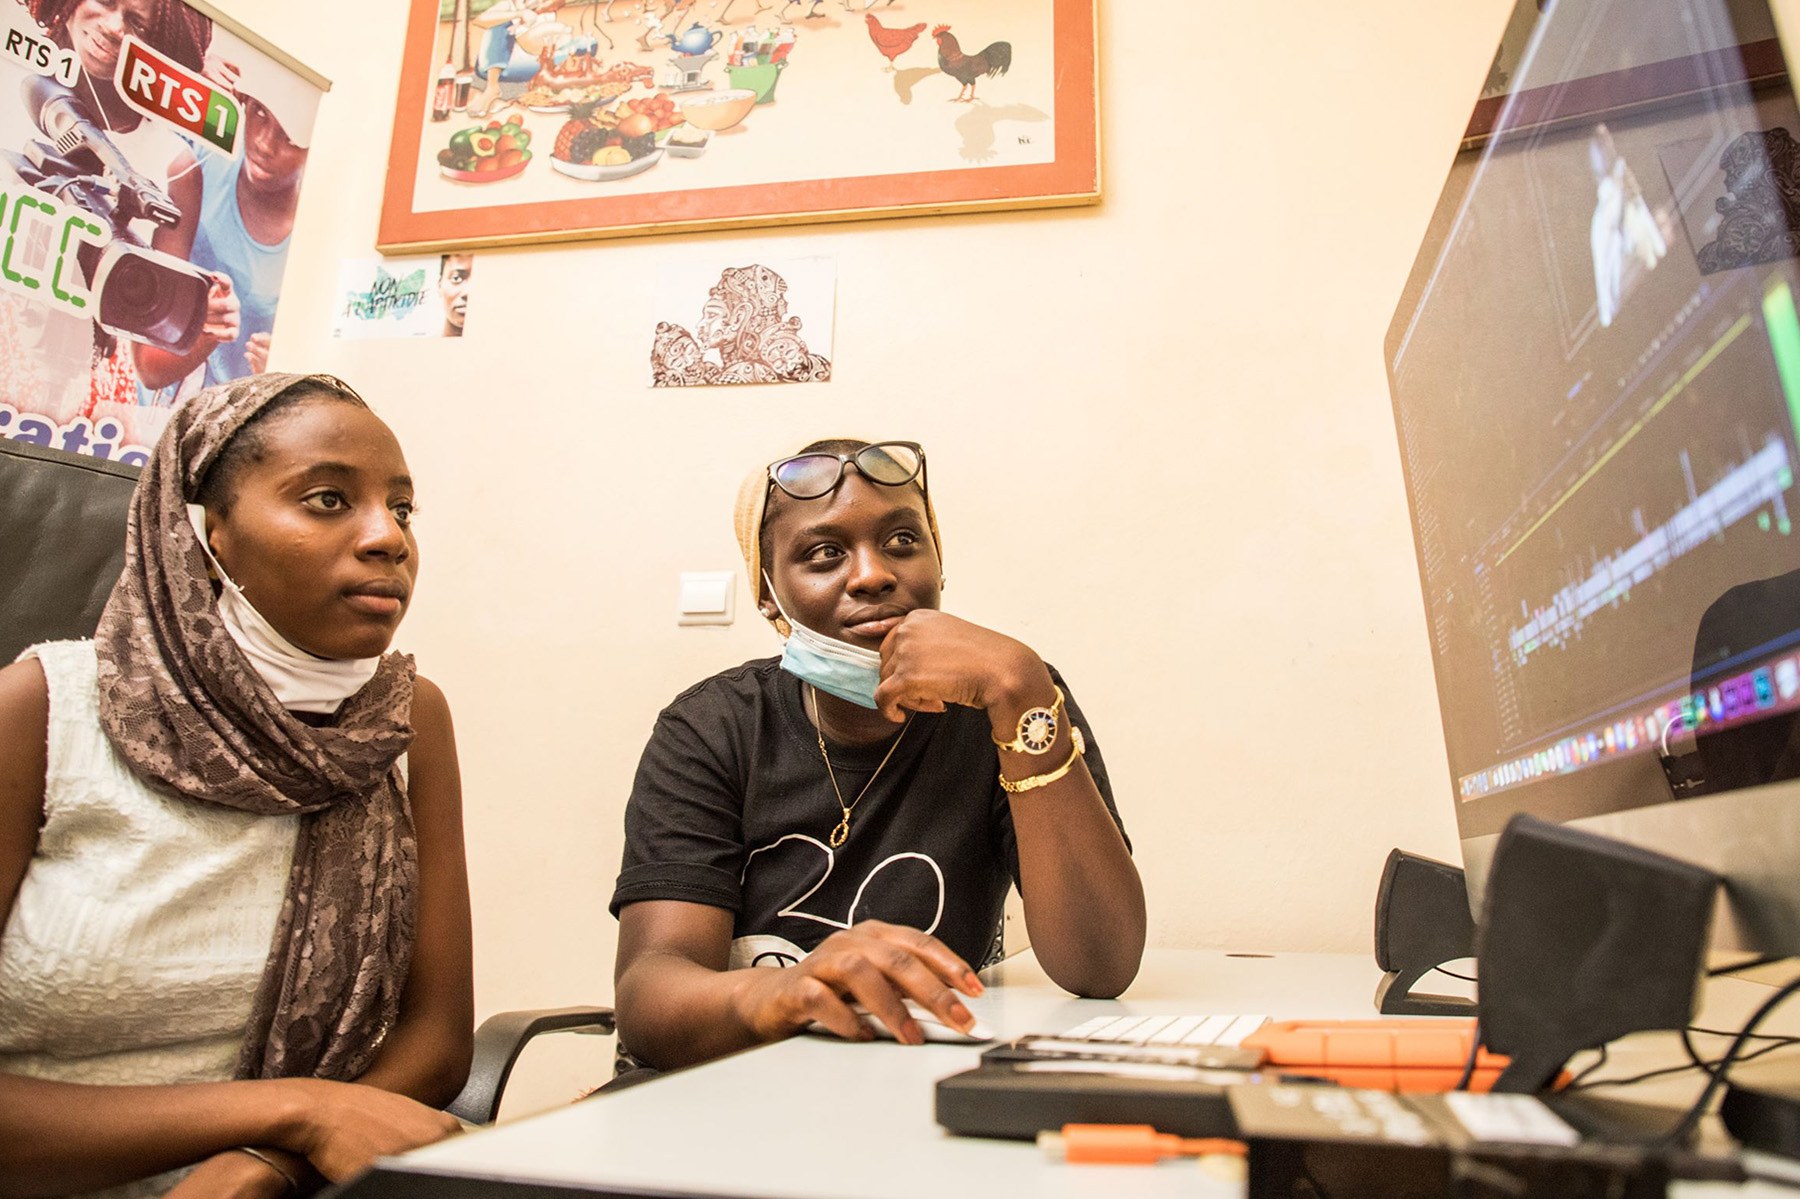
(62, 542)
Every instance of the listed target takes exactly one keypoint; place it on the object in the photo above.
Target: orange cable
(1129, 1144)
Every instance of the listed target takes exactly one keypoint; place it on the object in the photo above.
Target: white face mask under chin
(303, 682)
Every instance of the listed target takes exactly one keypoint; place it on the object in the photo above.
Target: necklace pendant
(841, 833)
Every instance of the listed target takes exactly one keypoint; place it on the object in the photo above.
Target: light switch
(706, 597)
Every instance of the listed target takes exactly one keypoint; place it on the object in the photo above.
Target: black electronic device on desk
(1330, 1141)
(1761, 1106)
(1167, 1071)
(1019, 1099)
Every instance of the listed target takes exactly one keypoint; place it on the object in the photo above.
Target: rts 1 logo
(161, 88)
(43, 56)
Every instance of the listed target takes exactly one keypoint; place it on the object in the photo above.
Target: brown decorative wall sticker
(750, 327)
(1760, 210)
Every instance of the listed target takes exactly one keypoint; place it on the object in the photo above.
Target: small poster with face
(757, 322)
(423, 296)
(151, 159)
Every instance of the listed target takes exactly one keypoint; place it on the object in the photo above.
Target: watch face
(1037, 730)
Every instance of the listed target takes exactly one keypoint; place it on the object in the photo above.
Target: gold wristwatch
(1037, 729)
(1015, 786)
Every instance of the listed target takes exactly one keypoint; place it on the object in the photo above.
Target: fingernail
(961, 1017)
(973, 984)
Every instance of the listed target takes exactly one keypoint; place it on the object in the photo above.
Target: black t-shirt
(732, 807)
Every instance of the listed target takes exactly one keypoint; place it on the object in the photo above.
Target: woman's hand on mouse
(873, 964)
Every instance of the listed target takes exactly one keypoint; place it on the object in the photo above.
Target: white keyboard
(1194, 1041)
(1226, 1032)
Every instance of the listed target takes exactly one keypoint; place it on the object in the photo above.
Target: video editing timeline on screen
(1582, 501)
(1672, 506)
(1761, 478)
(1600, 423)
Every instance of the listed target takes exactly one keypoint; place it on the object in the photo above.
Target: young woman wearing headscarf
(234, 924)
(855, 809)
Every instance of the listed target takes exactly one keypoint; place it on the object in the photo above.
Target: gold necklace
(841, 833)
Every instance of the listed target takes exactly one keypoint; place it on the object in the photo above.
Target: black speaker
(1422, 920)
(1582, 940)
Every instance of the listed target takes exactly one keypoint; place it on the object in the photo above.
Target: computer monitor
(1595, 369)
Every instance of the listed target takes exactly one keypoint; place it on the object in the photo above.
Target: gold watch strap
(1015, 786)
(1017, 744)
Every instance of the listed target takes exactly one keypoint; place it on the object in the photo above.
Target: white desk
(814, 1117)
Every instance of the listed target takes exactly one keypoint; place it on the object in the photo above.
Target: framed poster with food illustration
(544, 120)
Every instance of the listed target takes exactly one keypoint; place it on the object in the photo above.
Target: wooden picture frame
(850, 116)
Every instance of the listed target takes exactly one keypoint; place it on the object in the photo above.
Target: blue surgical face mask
(834, 667)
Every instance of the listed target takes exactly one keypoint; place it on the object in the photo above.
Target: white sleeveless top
(144, 921)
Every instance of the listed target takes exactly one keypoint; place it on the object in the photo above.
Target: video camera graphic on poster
(142, 294)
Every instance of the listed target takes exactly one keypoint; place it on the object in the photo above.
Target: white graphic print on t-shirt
(898, 890)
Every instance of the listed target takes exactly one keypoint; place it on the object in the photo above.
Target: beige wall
(1188, 378)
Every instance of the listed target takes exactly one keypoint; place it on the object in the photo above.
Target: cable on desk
(1575, 1083)
(1687, 1043)
(1755, 1036)
(1791, 1184)
(1129, 1144)
(1777, 1041)
(1700, 1065)
(1681, 1131)
(1750, 964)
(1468, 1070)
(1695, 1060)
(1467, 978)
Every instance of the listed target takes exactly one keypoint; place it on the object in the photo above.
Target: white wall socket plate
(706, 597)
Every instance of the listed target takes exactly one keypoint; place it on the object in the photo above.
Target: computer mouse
(930, 1026)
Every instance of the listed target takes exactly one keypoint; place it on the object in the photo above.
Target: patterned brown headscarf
(188, 712)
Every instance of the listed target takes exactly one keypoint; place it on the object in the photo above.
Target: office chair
(62, 546)
(62, 542)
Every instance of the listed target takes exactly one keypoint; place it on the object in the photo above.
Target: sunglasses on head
(809, 476)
